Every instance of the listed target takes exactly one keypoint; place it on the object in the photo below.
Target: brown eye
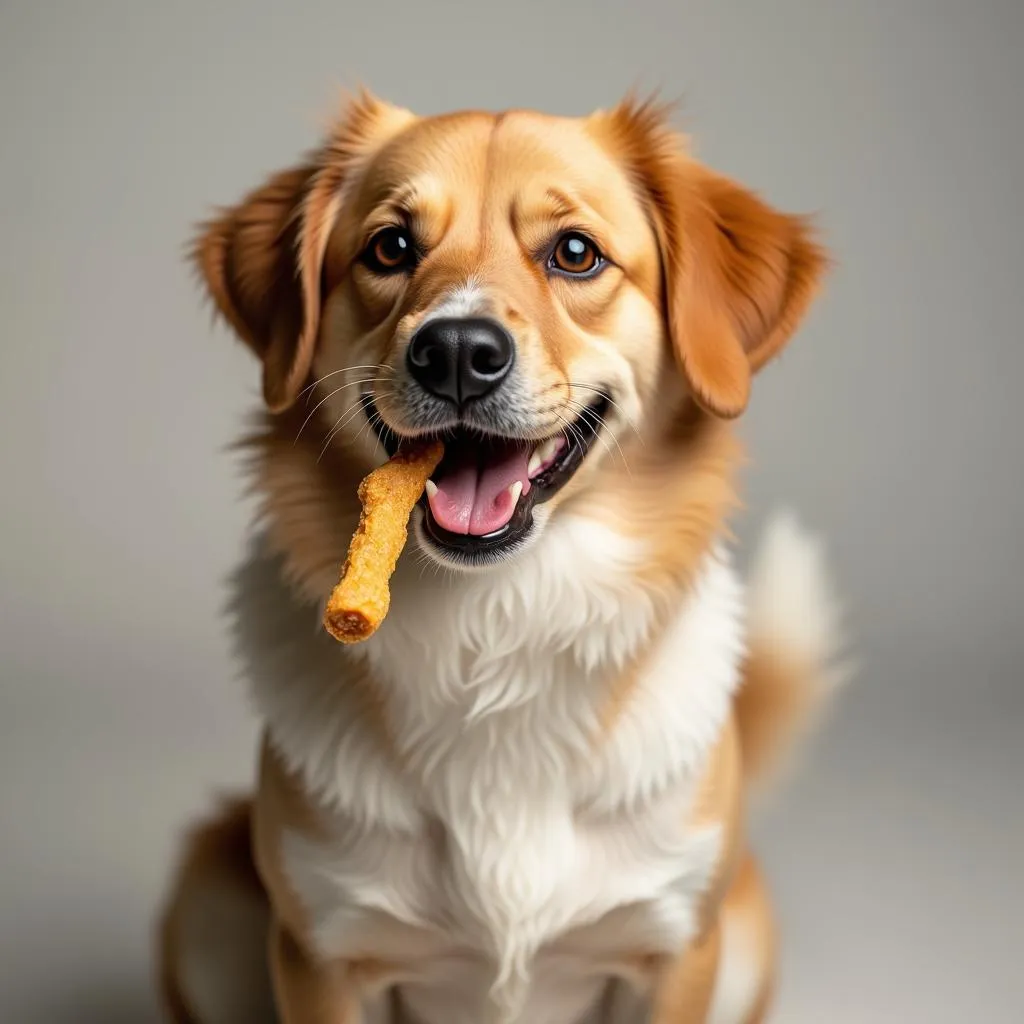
(575, 254)
(390, 251)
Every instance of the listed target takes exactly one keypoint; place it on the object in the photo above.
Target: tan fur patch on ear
(262, 260)
(711, 356)
(768, 263)
(239, 255)
(738, 275)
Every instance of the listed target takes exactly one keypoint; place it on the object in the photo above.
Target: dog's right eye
(390, 251)
(575, 255)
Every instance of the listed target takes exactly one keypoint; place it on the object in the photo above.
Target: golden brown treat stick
(360, 600)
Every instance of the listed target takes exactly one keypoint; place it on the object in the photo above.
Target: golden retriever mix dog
(522, 800)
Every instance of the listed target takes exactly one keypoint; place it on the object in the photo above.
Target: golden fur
(707, 284)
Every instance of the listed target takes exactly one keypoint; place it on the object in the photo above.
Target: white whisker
(611, 401)
(579, 436)
(337, 391)
(588, 414)
(571, 428)
(343, 421)
(368, 425)
(345, 369)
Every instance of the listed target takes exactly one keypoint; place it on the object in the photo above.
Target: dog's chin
(488, 500)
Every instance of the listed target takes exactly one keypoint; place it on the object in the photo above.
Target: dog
(524, 798)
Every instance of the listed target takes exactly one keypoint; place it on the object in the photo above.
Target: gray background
(891, 425)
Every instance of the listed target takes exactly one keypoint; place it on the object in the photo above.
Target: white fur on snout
(467, 300)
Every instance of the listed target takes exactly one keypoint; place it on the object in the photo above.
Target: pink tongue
(475, 499)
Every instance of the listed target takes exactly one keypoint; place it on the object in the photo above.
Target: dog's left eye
(576, 254)
(390, 251)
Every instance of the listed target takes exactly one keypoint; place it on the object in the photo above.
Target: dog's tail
(792, 665)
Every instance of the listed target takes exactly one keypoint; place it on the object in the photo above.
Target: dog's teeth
(551, 447)
(516, 491)
(543, 455)
(431, 489)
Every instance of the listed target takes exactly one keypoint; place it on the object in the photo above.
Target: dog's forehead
(498, 159)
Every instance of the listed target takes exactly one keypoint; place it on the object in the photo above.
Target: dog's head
(536, 290)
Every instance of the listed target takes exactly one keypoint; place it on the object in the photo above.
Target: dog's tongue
(473, 483)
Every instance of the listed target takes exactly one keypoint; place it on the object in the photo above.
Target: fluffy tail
(794, 642)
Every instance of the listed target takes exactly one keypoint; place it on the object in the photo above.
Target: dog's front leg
(686, 985)
(307, 992)
(729, 975)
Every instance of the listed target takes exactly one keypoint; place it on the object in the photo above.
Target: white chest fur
(513, 858)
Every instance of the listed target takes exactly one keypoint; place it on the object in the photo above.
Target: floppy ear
(738, 275)
(262, 260)
(738, 282)
(252, 264)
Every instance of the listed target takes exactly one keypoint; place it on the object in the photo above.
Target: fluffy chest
(518, 847)
(512, 911)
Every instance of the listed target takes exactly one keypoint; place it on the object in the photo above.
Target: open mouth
(480, 500)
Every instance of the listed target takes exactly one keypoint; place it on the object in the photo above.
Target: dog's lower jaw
(476, 559)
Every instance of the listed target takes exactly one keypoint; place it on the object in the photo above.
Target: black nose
(460, 359)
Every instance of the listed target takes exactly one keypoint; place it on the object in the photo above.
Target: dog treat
(360, 600)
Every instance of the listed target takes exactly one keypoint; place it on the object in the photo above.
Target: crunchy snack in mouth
(360, 600)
